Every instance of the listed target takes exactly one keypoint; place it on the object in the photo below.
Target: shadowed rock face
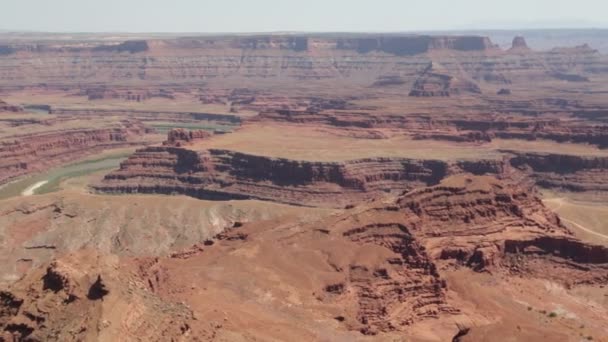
(565, 172)
(79, 303)
(519, 42)
(132, 46)
(414, 45)
(6, 50)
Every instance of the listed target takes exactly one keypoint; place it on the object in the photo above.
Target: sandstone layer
(27, 153)
(224, 174)
(354, 59)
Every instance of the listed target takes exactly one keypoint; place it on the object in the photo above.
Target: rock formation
(132, 46)
(224, 174)
(345, 59)
(178, 137)
(436, 81)
(465, 221)
(565, 172)
(86, 296)
(519, 44)
(5, 107)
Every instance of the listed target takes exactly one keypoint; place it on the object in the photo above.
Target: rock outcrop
(519, 44)
(565, 172)
(5, 107)
(132, 46)
(413, 45)
(86, 296)
(465, 221)
(137, 95)
(178, 137)
(435, 80)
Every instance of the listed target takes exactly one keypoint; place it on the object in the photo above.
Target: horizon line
(5, 31)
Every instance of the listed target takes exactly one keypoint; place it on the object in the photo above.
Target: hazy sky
(291, 15)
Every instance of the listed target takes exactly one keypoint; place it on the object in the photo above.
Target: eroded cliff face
(475, 222)
(179, 167)
(27, 153)
(224, 174)
(565, 172)
(352, 59)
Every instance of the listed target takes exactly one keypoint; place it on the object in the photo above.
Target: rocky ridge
(468, 221)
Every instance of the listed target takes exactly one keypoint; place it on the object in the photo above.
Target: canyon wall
(223, 174)
(354, 59)
(28, 153)
(178, 168)
(476, 222)
(565, 172)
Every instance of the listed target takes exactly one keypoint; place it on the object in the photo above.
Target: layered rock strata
(354, 59)
(223, 174)
(24, 154)
(178, 137)
(565, 172)
(465, 221)
(436, 81)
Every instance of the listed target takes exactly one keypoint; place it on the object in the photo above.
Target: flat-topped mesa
(396, 44)
(180, 137)
(132, 46)
(413, 45)
(223, 174)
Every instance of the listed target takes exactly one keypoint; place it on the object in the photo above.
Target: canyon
(310, 186)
